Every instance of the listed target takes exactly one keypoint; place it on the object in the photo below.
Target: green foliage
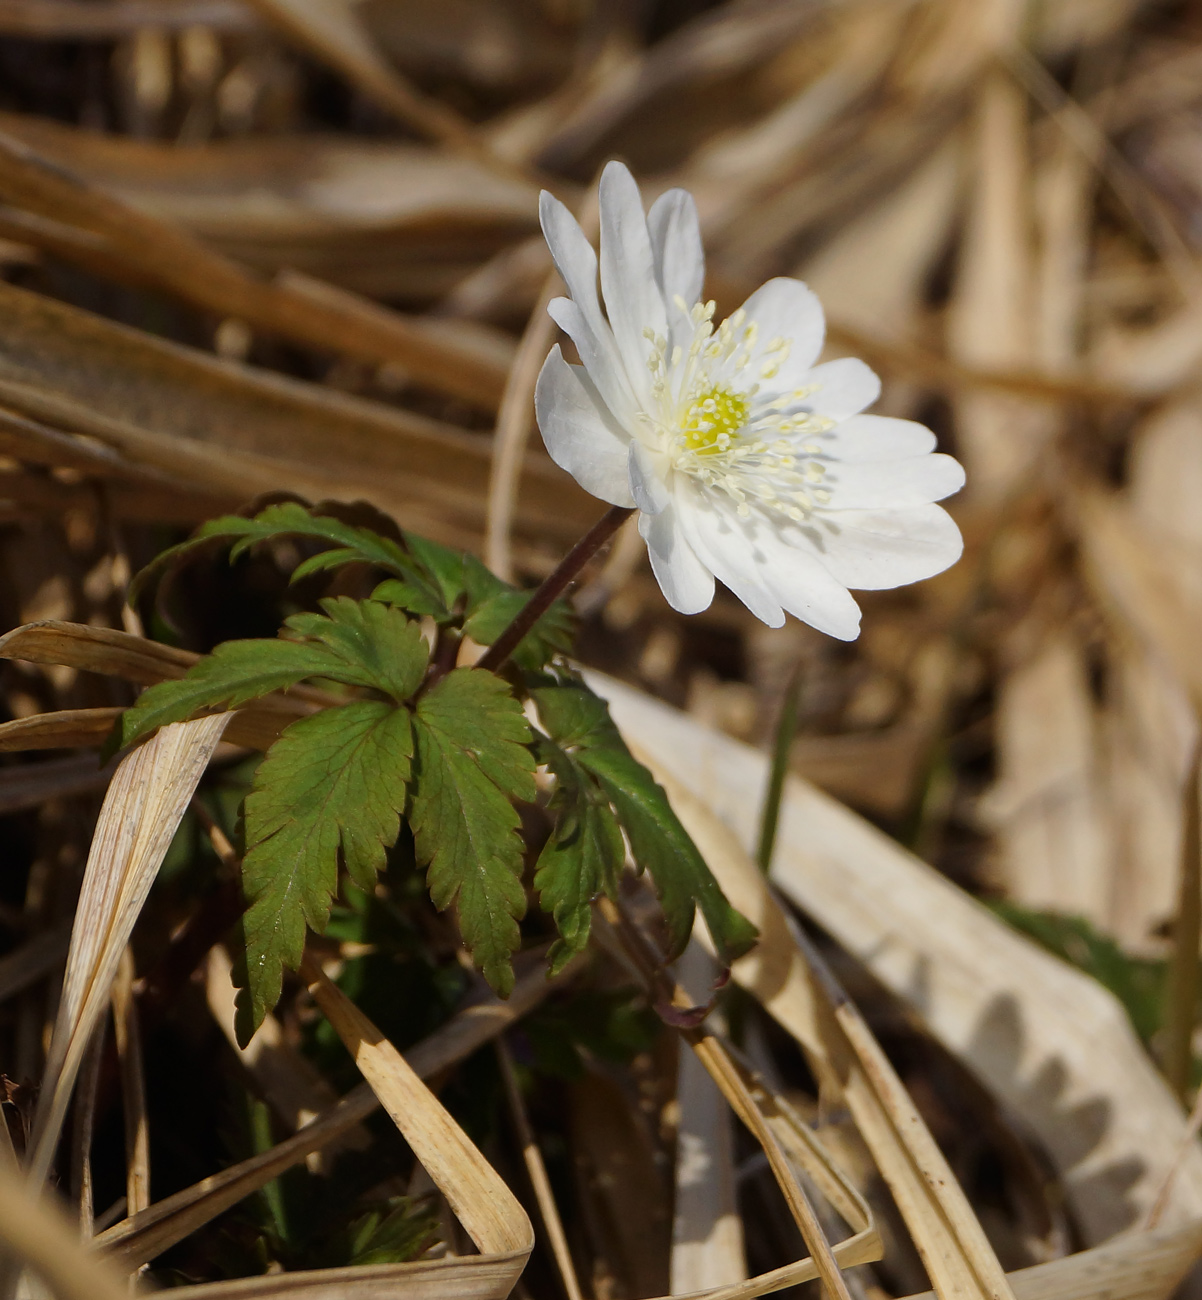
(333, 784)
(426, 579)
(290, 518)
(472, 759)
(445, 752)
(580, 725)
(298, 1221)
(582, 857)
(392, 1233)
(358, 643)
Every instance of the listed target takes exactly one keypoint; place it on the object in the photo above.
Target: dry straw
(142, 808)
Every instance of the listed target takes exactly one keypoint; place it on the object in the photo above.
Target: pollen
(713, 419)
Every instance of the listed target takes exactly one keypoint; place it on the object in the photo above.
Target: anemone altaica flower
(747, 462)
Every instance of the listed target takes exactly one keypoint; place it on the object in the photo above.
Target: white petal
(686, 583)
(805, 587)
(586, 325)
(783, 309)
(843, 388)
(719, 538)
(892, 484)
(679, 257)
(579, 432)
(632, 296)
(573, 256)
(874, 437)
(600, 357)
(650, 491)
(876, 549)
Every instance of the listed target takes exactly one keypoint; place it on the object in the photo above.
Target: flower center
(738, 443)
(712, 420)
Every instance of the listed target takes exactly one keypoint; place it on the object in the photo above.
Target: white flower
(747, 462)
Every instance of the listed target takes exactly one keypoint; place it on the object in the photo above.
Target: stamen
(717, 432)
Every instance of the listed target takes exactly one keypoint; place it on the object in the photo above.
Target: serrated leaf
(375, 644)
(582, 858)
(333, 785)
(443, 567)
(287, 518)
(492, 605)
(359, 643)
(236, 671)
(401, 1231)
(324, 560)
(409, 596)
(579, 722)
(471, 760)
(573, 715)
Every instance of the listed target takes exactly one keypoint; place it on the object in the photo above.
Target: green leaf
(442, 567)
(375, 644)
(492, 605)
(333, 785)
(416, 598)
(471, 760)
(579, 722)
(582, 858)
(399, 1231)
(288, 518)
(359, 643)
(574, 716)
(428, 578)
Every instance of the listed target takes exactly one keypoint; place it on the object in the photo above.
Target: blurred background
(263, 246)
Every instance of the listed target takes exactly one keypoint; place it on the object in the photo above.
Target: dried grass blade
(474, 1277)
(255, 727)
(948, 1235)
(333, 32)
(1010, 1011)
(537, 1170)
(1146, 1265)
(27, 785)
(733, 1085)
(707, 1230)
(142, 808)
(765, 1115)
(96, 650)
(121, 654)
(139, 1239)
(128, 1037)
(1133, 576)
(35, 1233)
(86, 226)
(480, 1198)
(234, 431)
(945, 1209)
(515, 416)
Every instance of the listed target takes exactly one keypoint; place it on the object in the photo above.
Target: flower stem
(554, 585)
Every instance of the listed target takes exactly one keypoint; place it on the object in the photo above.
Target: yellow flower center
(713, 419)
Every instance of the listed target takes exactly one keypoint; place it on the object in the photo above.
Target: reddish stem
(553, 586)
